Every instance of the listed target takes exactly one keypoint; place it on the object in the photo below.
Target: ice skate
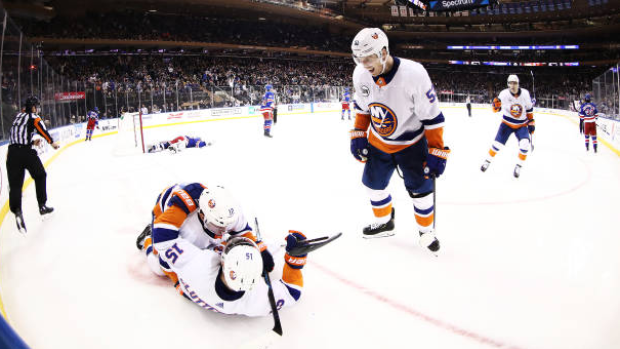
(142, 237)
(429, 241)
(485, 165)
(517, 171)
(379, 230)
(21, 225)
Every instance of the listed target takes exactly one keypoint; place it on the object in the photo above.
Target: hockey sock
(267, 126)
(381, 202)
(594, 143)
(587, 142)
(424, 212)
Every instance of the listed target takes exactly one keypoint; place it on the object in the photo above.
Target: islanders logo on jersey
(211, 203)
(384, 119)
(516, 110)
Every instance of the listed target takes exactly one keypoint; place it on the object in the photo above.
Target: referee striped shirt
(23, 129)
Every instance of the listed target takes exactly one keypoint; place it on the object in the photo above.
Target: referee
(22, 157)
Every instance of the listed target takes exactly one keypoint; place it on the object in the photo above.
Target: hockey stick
(306, 246)
(277, 328)
(266, 340)
(534, 102)
(434, 200)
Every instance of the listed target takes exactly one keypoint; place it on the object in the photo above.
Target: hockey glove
(581, 126)
(497, 105)
(531, 126)
(436, 162)
(292, 241)
(268, 262)
(359, 145)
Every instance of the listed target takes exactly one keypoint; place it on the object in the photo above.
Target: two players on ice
(200, 239)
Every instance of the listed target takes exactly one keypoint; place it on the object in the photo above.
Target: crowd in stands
(149, 26)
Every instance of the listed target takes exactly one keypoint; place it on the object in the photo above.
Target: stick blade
(312, 245)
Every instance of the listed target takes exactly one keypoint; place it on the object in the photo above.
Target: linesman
(21, 156)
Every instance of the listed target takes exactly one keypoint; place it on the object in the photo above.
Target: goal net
(130, 139)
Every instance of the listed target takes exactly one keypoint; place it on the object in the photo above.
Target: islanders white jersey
(517, 109)
(199, 278)
(402, 104)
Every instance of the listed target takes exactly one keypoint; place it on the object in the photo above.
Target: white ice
(525, 263)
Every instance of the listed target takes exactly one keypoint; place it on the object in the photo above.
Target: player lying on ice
(178, 144)
(201, 240)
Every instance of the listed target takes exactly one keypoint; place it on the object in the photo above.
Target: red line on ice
(404, 308)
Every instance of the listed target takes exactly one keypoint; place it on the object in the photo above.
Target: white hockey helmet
(242, 264)
(368, 42)
(217, 209)
(513, 78)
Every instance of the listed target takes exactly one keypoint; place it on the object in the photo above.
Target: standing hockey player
(587, 122)
(396, 98)
(346, 100)
(518, 118)
(468, 103)
(266, 109)
(178, 144)
(93, 121)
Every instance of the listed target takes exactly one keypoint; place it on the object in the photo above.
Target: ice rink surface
(527, 263)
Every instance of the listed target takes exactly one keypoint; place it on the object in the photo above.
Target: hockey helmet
(369, 42)
(242, 264)
(588, 98)
(217, 209)
(268, 87)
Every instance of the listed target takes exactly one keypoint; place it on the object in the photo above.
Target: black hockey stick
(533, 102)
(434, 200)
(277, 327)
(305, 246)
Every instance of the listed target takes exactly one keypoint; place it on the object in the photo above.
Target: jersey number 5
(173, 253)
(430, 94)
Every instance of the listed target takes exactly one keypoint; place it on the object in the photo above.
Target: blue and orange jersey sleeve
(433, 131)
(293, 279)
(362, 118)
(173, 207)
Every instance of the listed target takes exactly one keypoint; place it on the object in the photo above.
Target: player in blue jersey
(266, 108)
(346, 100)
(93, 121)
(587, 122)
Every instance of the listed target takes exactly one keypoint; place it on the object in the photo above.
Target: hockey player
(346, 99)
(188, 216)
(396, 98)
(517, 108)
(266, 109)
(587, 122)
(227, 278)
(178, 144)
(92, 122)
(468, 104)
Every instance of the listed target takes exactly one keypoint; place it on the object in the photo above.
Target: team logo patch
(233, 275)
(384, 120)
(588, 110)
(375, 36)
(231, 212)
(516, 110)
(365, 91)
(211, 203)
